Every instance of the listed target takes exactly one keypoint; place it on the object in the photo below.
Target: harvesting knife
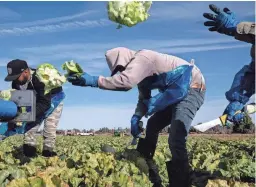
(250, 109)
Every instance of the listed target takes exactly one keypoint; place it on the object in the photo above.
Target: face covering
(23, 82)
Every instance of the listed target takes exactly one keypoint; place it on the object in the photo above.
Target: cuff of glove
(230, 32)
(138, 114)
(236, 96)
(94, 82)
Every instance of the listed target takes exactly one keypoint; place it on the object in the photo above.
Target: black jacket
(43, 101)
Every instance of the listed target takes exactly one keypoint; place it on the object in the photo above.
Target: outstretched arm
(141, 108)
(140, 111)
(242, 89)
(225, 22)
(138, 69)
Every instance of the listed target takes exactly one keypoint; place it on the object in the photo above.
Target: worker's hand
(233, 110)
(84, 80)
(223, 22)
(135, 128)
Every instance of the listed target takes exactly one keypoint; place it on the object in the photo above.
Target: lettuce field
(105, 161)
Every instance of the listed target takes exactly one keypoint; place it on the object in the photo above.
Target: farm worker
(24, 78)
(243, 86)
(182, 90)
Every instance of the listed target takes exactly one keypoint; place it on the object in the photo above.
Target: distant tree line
(245, 127)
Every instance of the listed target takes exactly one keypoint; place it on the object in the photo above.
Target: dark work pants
(180, 116)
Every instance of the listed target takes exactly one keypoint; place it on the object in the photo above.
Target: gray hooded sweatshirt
(139, 65)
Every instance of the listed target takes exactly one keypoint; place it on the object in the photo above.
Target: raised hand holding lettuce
(72, 68)
(128, 13)
(50, 76)
(77, 76)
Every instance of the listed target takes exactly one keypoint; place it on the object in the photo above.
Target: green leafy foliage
(72, 68)
(245, 126)
(50, 76)
(108, 162)
(6, 94)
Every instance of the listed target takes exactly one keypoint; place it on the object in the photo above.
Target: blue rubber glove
(135, 129)
(224, 22)
(231, 109)
(84, 80)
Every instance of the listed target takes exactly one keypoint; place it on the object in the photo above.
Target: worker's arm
(138, 69)
(144, 94)
(43, 102)
(225, 22)
(245, 31)
(8, 109)
(242, 89)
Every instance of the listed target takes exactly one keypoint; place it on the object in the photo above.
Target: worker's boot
(29, 150)
(147, 150)
(48, 152)
(178, 173)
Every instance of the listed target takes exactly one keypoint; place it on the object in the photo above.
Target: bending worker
(182, 90)
(243, 86)
(48, 107)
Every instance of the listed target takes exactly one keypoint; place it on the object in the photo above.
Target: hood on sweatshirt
(119, 57)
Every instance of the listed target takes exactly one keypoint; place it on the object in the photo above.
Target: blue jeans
(180, 116)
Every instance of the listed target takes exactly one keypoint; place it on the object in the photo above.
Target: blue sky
(55, 32)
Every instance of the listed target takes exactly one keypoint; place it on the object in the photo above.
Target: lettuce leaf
(50, 76)
(6, 94)
(72, 68)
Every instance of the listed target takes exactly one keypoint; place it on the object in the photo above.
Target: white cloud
(50, 20)
(92, 55)
(54, 27)
(54, 24)
(7, 14)
(159, 11)
(137, 44)
(202, 48)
